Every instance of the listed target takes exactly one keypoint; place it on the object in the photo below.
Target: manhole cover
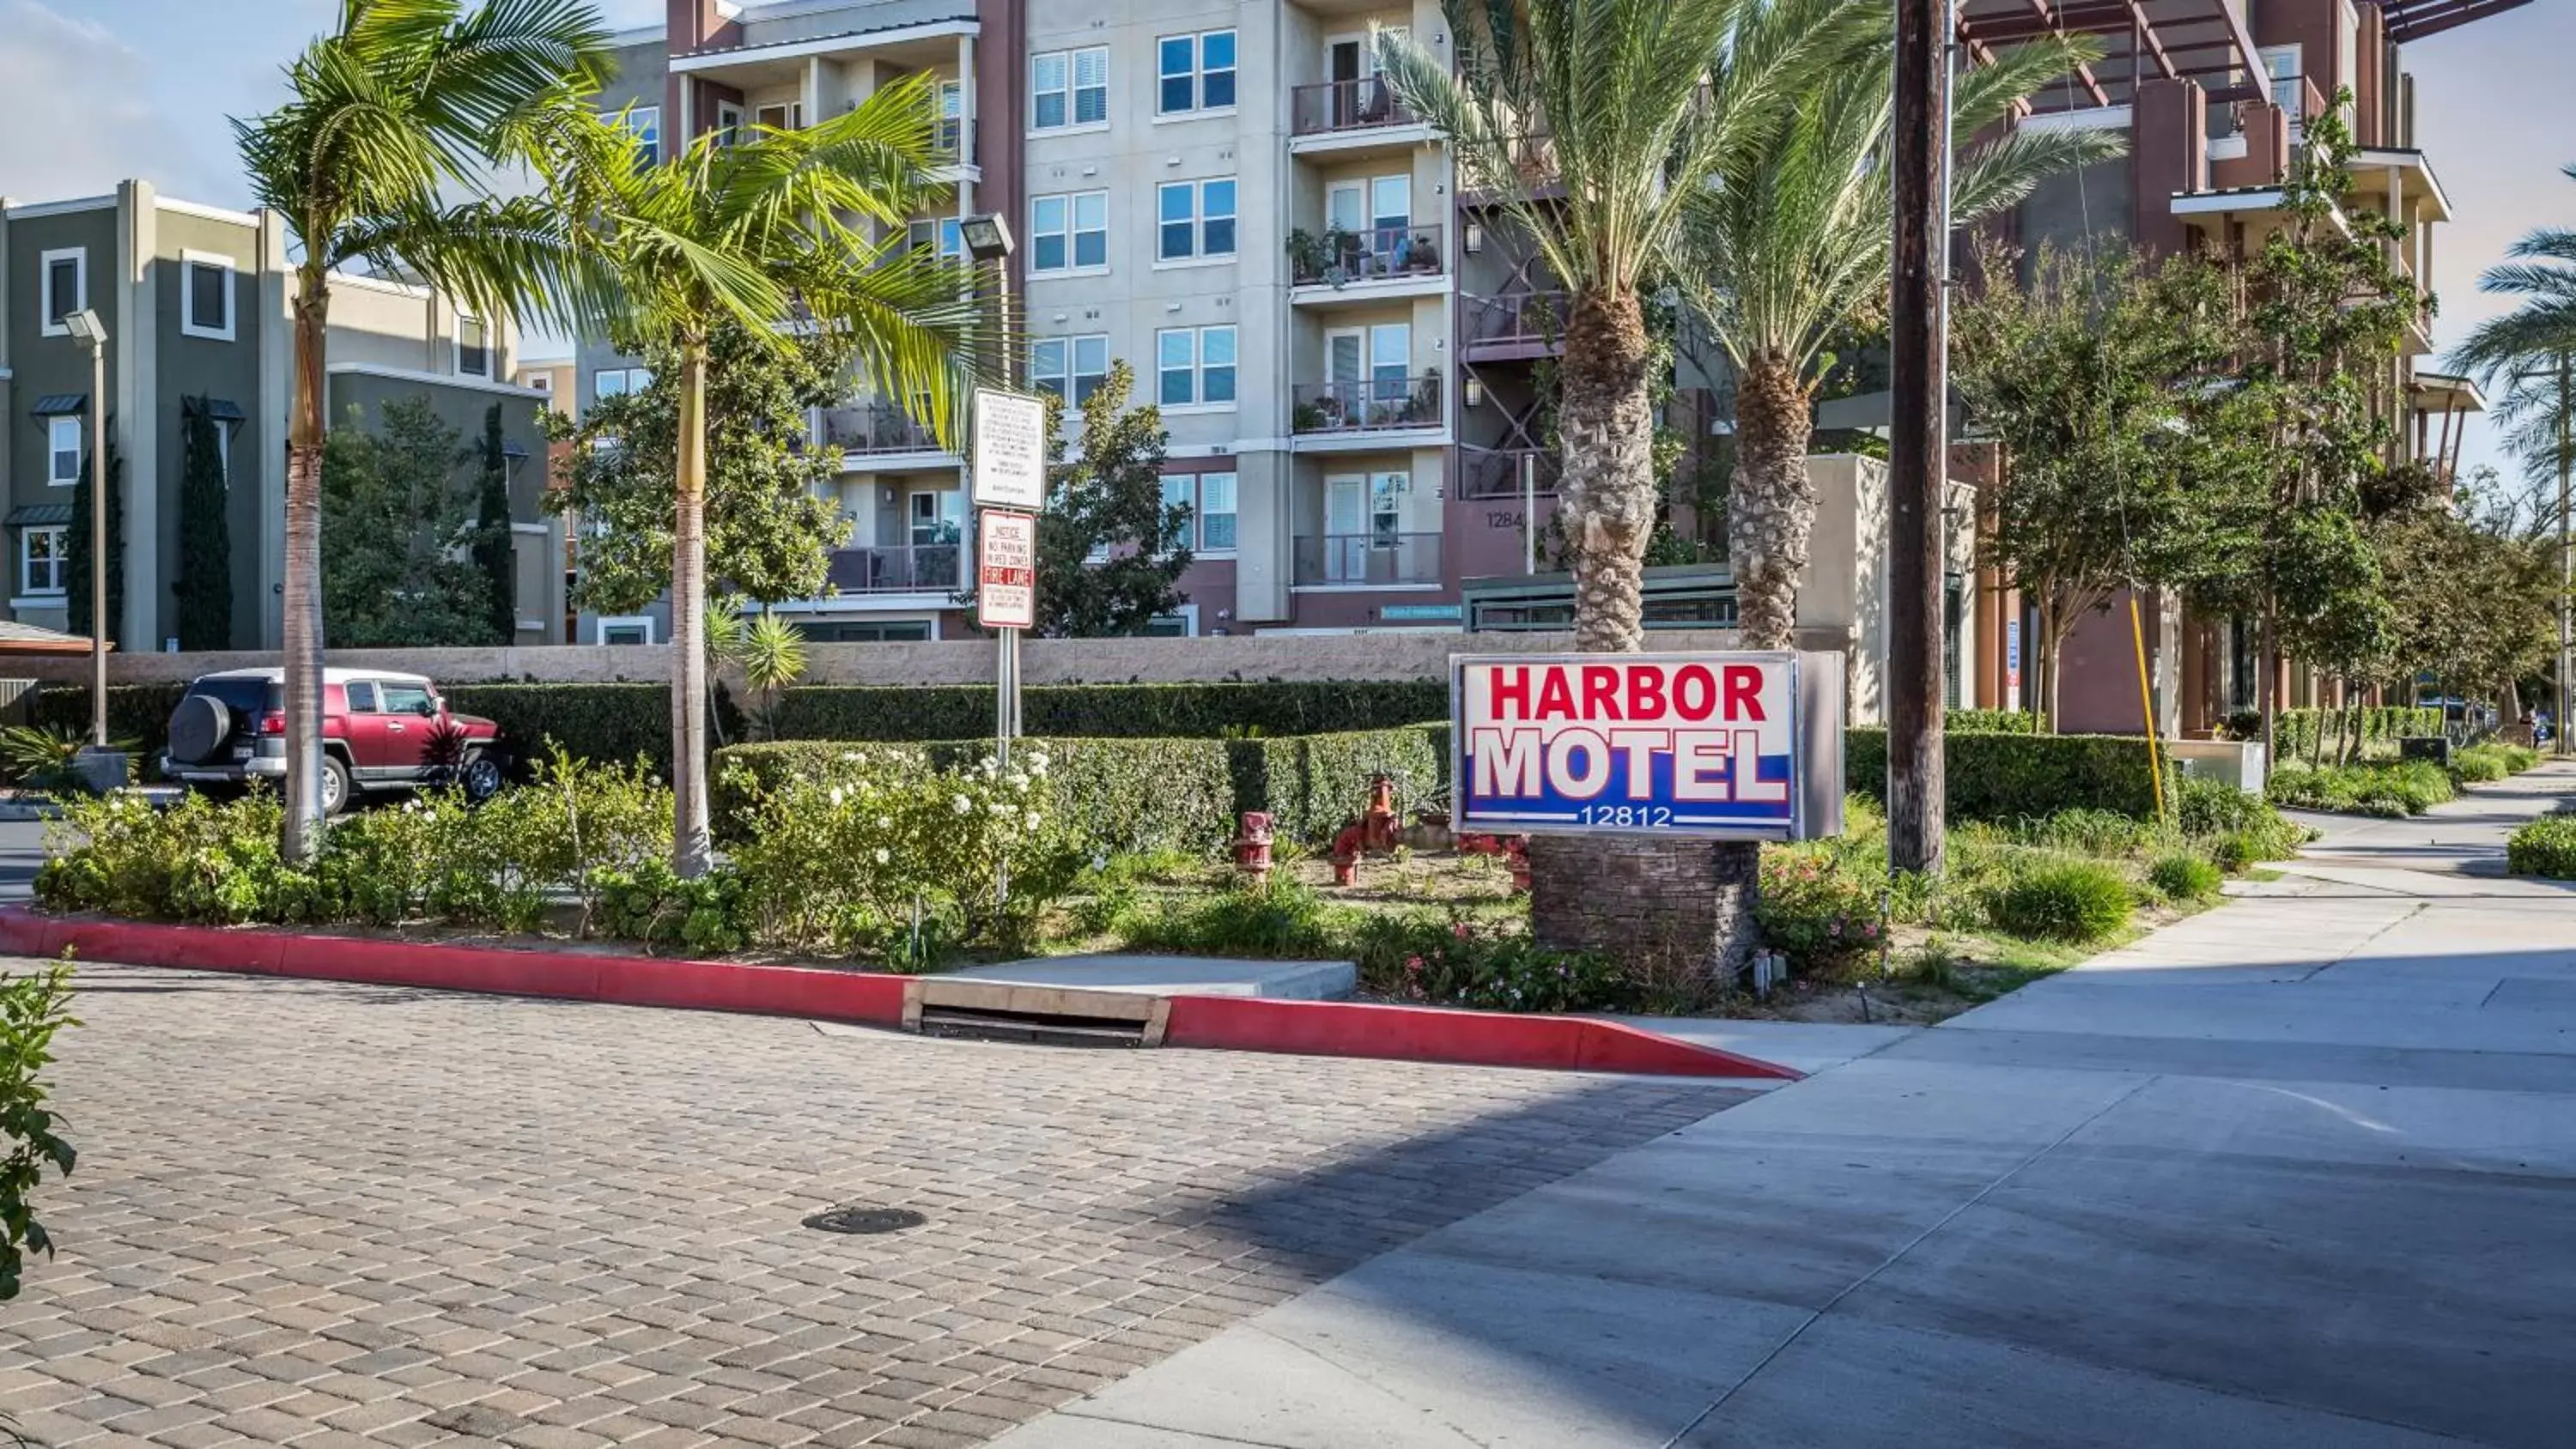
(866, 1220)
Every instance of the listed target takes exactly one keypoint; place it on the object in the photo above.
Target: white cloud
(76, 104)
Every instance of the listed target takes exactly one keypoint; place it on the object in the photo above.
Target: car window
(405, 698)
(242, 696)
(362, 698)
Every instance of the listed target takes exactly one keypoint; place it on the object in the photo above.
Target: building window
(944, 234)
(40, 561)
(66, 276)
(473, 347)
(63, 450)
(1197, 72)
(206, 296)
(952, 122)
(785, 116)
(611, 382)
(644, 123)
(632, 629)
(1069, 88)
(1070, 367)
(1216, 513)
(1196, 219)
(541, 382)
(1196, 366)
(1069, 233)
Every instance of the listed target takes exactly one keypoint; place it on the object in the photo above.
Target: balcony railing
(919, 568)
(1367, 558)
(881, 428)
(956, 142)
(1367, 406)
(1518, 319)
(1496, 472)
(1371, 254)
(1346, 105)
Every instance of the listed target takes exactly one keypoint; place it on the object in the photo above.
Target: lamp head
(85, 326)
(987, 237)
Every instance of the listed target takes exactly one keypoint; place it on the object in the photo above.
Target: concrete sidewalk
(2297, 1171)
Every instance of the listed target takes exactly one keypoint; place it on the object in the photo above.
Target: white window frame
(1071, 374)
(59, 560)
(490, 357)
(1199, 217)
(792, 112)
(1071, 58)
(729, 119)
(644, 123)
(945, 235)
(1199, 512)
(1198, 73)
(631, 380)
(1198, 366)
(599, 635)
(190, 263)
(1073, 233)
(79, 258)
(53, 451)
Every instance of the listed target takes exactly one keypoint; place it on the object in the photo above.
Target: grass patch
(2392, 790)
(2544, 847)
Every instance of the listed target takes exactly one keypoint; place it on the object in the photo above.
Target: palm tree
(2528, 356)
(1791, 247)
(1590, 124)
(405, 101)
(780, 231)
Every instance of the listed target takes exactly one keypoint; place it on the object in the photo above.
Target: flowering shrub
(198, 861)
(1456, 961)
(1816, 910)
(844, 856)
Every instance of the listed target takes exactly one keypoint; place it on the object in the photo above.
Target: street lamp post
(90, 332)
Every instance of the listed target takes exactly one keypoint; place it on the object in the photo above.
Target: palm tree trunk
(1773, 509)
(1605, 416)
(690, 846)
(300, 634)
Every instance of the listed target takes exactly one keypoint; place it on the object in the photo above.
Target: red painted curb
(874, 998)
(1441, 1034)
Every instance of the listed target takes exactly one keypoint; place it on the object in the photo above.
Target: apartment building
(2215, 96)
(196, 303)
(1223, 196)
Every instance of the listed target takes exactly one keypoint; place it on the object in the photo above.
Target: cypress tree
(76, 559)
(492, 553)
(205, 583)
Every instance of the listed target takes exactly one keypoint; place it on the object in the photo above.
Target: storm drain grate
(865, 1220)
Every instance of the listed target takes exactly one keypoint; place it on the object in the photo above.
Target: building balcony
(1365, 265)
(1496, 473)
(870, 435)
(1352, 116)
(1515, 326)
(1366, 561)
(925, 568)
(1370, 412)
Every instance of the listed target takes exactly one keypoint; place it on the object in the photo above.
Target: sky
(92, 91)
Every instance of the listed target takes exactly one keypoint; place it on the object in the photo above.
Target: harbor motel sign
(1715, 746)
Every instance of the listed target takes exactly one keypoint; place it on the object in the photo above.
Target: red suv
(380, 731)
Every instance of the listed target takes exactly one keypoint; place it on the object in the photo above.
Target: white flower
(1038, 763)
(836, 796)
(991, 768)
(1002, 809)
(884, 855)
(962, 805)
(1019, 781)
(1100, 862)
(1033, 820)
(885, 822)
(850, 755)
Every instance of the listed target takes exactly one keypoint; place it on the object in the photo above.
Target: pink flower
(1458, 929)
(1412, 963)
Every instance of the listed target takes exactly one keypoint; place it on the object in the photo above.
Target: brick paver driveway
(322, 1215)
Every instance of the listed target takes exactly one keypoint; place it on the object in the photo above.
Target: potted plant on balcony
(1308, 255)
(1424, 405)
(1422, 252)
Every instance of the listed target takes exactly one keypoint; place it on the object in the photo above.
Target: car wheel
(480, 777)
(335, 786)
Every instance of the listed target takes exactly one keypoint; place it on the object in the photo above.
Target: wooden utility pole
(1918, 443)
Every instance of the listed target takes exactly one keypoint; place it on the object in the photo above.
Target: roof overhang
(2444, 392)
(2413, 20)
(718, 59)
(2141, 40)
(2420, 181)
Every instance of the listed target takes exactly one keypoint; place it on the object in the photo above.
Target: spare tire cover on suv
(198, 728)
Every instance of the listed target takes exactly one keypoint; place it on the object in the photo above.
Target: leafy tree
(2472, 591)
(1791, 247)
(205, 583)
(34, 1008)
(770, 523)
(2288, 453)
(782, 234)
(76, 551)
(2084, 374)
(402, 104)
(494, 555)
(1108, 505)
(398, 513)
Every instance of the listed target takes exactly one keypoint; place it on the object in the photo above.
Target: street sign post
(1726, 746)
(1006, 570)
(1009, 450)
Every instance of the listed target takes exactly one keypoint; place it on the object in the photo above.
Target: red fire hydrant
(1377, 823)
(1516, 856)
(1252, 846)
(1346, 854)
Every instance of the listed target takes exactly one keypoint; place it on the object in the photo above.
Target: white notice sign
(1010, 450)
(1006, 572)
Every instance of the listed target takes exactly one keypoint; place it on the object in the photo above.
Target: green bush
(1113, 711)
(2008, 776)
(2066, 900)
(605, 722)
(2091, 832)
(2487, 763)
(137, 712)
(2315, 734)
(1281, 918)
(1816, 909)
(2544, 847)
(1448, 959)
(2237, 828)
(1989, 722)
(2390, 790)
(2183, 876)
(649, 902)
(34, 1007)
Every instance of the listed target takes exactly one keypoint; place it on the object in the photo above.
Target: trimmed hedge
(2006, 777)
(2310, 734)
(1111, 711)
(1154, 794)
(1989, 722)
